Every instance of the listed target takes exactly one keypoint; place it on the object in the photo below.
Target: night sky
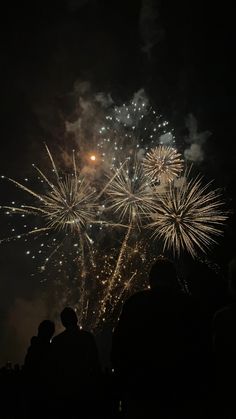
(181, 53)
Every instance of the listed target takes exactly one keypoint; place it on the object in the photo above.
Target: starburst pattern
(188, 217)
(68, 205)
(129, 193)
(163, 164)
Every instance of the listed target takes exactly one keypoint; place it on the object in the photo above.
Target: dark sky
(180, 52)
(46, 48)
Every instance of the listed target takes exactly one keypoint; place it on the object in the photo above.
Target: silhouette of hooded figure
(76, 363)
(37, 370)
(37, 359)
(153, 342)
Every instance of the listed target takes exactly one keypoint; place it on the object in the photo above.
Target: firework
(163, 164)
(188, 217)
(91, 224)
(130, 196)
(66, 209)
(132, 128)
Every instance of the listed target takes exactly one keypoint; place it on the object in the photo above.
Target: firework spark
(188, 217)
(163, 164)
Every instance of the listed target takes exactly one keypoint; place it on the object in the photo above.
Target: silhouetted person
(37, 367)
(207, 288)
(37, 356)
(154, 347)
(9, 392)
(76, 367)
(224, 342)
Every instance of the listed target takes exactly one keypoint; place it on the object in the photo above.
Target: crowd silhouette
(173, 355)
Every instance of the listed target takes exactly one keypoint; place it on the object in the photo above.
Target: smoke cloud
(20, 324)
(91, 117)
(83, 129)
(151, 31)
(167, 138)
(195, 139)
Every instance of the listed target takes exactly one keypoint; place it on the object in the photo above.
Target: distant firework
(188, 217)
(163, 164)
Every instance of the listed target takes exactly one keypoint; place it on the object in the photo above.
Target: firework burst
(129, 194)
(134, 127)
(163, 164)
(68, 206)
(187, 218)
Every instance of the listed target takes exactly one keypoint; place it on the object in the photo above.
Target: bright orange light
(93, 157)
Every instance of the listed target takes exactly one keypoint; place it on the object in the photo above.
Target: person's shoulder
(139, 296)
(184, 303)
(34, 340)
(58, 338)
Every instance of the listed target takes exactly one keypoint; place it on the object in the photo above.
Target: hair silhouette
(69, 317)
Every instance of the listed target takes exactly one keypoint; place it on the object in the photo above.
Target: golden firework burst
(129, 193)
(163, 164)
(188, 217)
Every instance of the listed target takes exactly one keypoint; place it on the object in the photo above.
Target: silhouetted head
(163, 275)
(46, 329)
(69, 317)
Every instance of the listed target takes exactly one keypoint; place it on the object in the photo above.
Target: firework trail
(116, 274)
(188, 217)
(131, 198)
